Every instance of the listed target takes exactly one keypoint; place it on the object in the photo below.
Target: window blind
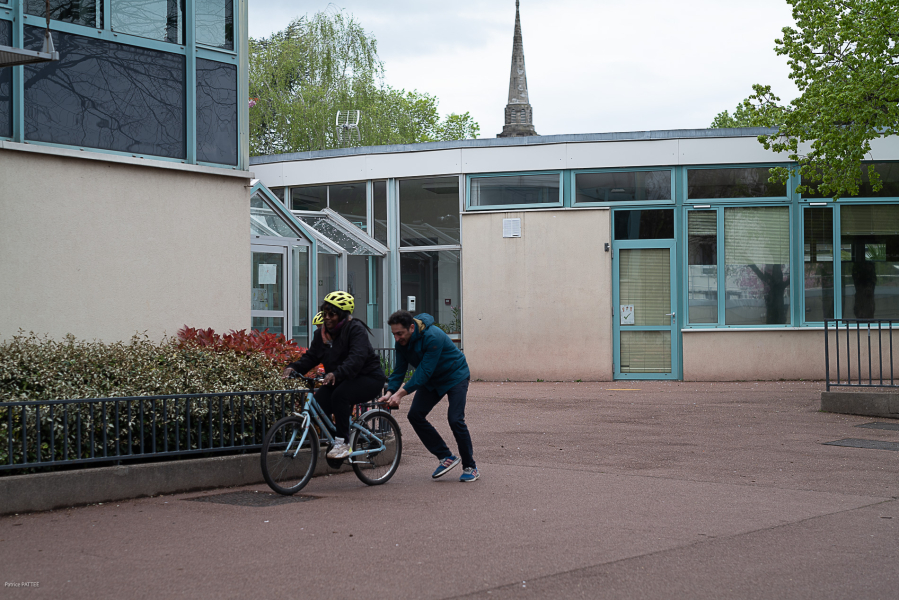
(645, 282)
(757, 235)
(869, 219)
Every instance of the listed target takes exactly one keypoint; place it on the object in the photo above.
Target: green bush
(34, 368)
(40, 369)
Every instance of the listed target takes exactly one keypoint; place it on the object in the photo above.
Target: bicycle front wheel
(289, 454)
(379, 465)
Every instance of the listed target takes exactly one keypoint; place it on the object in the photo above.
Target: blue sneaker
(445, 465)
(469, 474)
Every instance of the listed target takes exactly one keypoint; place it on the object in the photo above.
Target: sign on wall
(627, 314)
(268, 274)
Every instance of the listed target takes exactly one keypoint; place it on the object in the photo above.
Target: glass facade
(623, 186)
(300, 297)
(216, 112)
(327, 275)
(313, 197)
(106, 96)
(266, 222)
(429, 211)
(278, 192)
(120, 85)
(817, 231)
(644, 224)
(379, 193)
(215, 23)
(5, 84)
(709, 184)
(515, 190)
(79, 12)
(757, 265)
(728, 262)
(869, 249)
(268, 281)
(161, 20)
(702, 266)
(889, 177)
(433, 279)
(348, 200)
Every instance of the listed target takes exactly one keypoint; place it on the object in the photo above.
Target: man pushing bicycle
(440, 370)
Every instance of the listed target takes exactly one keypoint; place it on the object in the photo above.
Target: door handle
(670, 314)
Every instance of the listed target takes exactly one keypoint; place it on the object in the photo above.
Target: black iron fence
(388, 359)
(861, 352)
(67, 432)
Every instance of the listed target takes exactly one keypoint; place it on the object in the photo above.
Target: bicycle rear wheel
(288, 459)
(378, 467)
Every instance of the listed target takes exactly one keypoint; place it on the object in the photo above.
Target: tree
(844, 57)
(301, 76)
(745, 114)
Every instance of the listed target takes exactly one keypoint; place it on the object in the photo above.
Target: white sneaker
(339, 450)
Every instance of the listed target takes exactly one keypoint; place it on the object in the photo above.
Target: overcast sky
(592, 66)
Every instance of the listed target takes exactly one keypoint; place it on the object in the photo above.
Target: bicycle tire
(377, 468)
(288, 470)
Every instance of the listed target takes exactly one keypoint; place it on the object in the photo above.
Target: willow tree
(302, 76)
(844, 58)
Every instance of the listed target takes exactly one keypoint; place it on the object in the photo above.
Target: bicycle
(291, 447)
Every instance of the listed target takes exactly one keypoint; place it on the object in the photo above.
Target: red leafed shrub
(273, 345)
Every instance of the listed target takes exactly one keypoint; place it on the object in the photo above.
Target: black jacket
(349, 355)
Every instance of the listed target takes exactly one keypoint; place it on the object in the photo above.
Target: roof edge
(535, 140)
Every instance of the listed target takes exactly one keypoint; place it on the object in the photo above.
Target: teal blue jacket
(439, 365)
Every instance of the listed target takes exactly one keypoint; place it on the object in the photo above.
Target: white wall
(104, 250)
(534, 157)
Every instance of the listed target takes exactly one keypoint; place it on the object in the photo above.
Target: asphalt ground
(588, 490)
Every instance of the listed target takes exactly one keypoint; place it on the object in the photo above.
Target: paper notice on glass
(268, 274)
(627, 314)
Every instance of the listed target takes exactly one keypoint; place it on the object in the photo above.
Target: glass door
(268, 309)
(645, 323)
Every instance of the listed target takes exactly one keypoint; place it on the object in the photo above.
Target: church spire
(519, 114)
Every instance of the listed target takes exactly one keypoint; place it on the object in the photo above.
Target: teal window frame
(795, 278)
(572, 186)
(14, 11)
(685, 185)
(837, 249)
(835, 241)
(559, 204)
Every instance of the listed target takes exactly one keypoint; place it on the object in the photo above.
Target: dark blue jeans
(423, 403)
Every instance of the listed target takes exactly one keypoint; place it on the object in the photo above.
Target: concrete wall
(102, 250)
(539, 306)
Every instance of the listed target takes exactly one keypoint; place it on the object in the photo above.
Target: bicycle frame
(312, 411)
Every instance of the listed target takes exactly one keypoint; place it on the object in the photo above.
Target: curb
(870, 404)
(47, 491)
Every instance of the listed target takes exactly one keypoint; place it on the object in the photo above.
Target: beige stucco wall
(104, 250)
(753, 355)
(539, 306)
(772, 354)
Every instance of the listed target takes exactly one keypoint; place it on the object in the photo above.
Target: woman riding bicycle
(353, 372)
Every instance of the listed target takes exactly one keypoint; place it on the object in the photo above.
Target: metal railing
(388, 359)
(47, 433)
(860, 343)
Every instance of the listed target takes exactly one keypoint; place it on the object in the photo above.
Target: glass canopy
(265, 221)
(349, 237)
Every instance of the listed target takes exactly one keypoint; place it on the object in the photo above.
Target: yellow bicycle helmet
(318, 319)
(341, 300)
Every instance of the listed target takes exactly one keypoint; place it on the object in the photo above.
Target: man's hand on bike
(329, 379)
(288, 373)
(392, 400)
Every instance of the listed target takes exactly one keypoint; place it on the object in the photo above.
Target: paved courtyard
(588, 490)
